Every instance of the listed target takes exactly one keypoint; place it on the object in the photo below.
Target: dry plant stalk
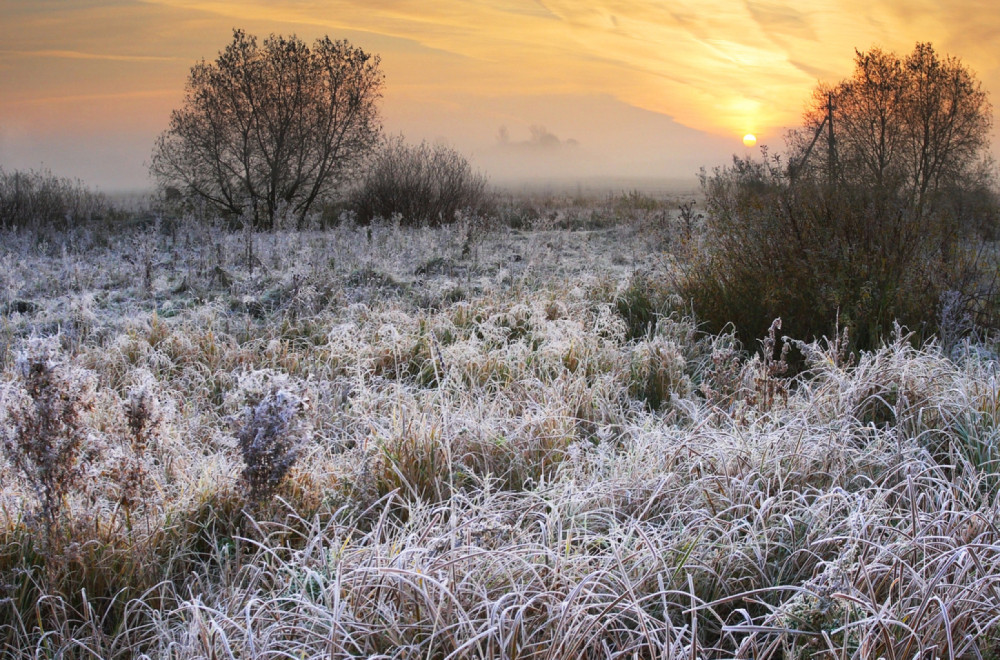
(45, 430)
(270, 440)
(143, 419)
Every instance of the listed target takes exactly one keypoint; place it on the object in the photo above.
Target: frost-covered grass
(404, 443)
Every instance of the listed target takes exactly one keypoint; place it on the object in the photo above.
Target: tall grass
(515, 472)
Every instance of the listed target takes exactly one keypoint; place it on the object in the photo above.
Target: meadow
(503, 439)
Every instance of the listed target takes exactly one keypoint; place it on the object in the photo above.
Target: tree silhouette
(875, 215)
(913, 125)
(271, 129)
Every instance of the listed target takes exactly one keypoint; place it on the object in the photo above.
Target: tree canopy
(272, 129)
(913, 125)
(868, 219)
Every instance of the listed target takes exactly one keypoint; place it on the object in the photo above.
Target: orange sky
(626, 88)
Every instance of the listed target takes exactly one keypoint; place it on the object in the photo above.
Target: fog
(591, 142)
(611, 90)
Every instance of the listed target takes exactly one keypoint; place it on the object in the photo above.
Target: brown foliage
(421, 184)
(44, 432)
(40, 200)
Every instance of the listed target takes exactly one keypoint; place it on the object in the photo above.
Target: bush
(421, 184)
(270, 440)
(40, 200)
(814, 255)
(864, 230)
(44, 431)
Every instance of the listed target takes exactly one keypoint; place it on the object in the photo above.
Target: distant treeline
(38, 199)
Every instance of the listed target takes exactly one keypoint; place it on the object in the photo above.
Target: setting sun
(749, 139)
(89, 86)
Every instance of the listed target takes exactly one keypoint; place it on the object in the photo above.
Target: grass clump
(658, 372)
(640, 302)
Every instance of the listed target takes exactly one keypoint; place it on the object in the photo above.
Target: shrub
(421, 184)
(862, 232)
(270, 440)
(144, 419)
(44, 430)
(812, 253)
(36, 200)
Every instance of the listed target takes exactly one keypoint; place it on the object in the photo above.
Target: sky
(527, 89)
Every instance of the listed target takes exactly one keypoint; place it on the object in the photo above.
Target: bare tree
(272, 129)
(913, 125)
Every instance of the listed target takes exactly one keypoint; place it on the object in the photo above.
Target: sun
(749, 139)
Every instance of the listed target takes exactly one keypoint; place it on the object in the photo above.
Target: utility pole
(831, 146)
(831, 158)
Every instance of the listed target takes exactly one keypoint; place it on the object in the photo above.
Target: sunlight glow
(604, 73)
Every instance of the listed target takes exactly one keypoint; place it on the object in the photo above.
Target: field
(481, 441)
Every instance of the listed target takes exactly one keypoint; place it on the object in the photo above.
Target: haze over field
(528, 89)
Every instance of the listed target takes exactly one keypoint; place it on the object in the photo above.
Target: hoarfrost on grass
(505, 475)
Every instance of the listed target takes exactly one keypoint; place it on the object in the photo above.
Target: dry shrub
(766, 371)
(40, 200)
(270, 440)
(814, 255)
(45, 429)
(143, 420)
(883, 227)
(420, 184)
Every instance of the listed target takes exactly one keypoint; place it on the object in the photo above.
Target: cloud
(780, 21)
(78, 55)
(715, 65)
(83, 98)
(721, 67)
(817, 72)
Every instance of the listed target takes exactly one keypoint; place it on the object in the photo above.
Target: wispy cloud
(79, 55)
(693, 62)
(781, 22)
(724, 67)
(719, 65)
(87, 98)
